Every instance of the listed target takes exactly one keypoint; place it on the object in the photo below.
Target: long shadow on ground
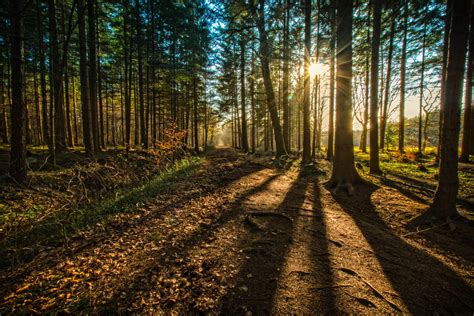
(270, 282)
(120, 303)
(424, 284)
(213, 183)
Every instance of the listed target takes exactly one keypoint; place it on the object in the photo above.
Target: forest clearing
(236, 157)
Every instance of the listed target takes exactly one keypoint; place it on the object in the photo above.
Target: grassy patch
(63, 224)
(410, 165)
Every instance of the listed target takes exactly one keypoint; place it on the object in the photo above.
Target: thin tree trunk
(267, 81)
(447, 30)
(286, 59)
(332, 52)
(374, 99)
(245, 142)
(85, 100)
(422, 86)
(92, 41)
(307, 83)
(466, 138)
(403, 61)
(384, 119)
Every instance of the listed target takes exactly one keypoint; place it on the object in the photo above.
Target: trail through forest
(239, 236)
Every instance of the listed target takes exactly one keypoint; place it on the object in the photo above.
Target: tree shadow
(458, 242)
(120, 303)
(60, 250)
(267, 282)
(424, 284)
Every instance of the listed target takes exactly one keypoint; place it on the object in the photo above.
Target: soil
(242, 237)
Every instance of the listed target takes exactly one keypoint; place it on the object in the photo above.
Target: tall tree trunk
(18, 108)
(99, 79)
(422, 87)
(252, 100)
(332, 52)
(374, 88)
(403, 62)
(92, 41)
(245, 142)
(59, 130)
(144, 141)
(286, 75)
(196, 109)
(447, 30)
(444, 202)
(3, 112)
(384, 117)
(74, 103)
(466, 134)
(344, 174)
(44, 97)
(267, 80)
(307, 83)
(87, 133)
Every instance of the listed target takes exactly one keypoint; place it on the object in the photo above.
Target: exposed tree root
(263, 214)
(374, 290)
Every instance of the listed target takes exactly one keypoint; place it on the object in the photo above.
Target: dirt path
(243, 238)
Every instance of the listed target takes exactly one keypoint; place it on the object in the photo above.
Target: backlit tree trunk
(444, 202)
(374, 87)
(307, 83)
(466, 138)
(344, 174)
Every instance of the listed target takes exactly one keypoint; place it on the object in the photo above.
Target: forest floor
(229, 233)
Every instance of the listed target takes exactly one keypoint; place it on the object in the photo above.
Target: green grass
(408, 165)
(62, 225)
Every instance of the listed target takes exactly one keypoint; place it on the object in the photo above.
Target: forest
(236, 157)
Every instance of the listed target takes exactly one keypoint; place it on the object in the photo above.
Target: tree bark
(344, 174)
(93, 72)
(143, 139)
(245, 142)
(444, 202)
(267, 81)
(332, 52)
(466, 134)
(403, 63)
(307, 83)
(18, 108)
(384, 117)
(85, 100)
(374, 87)
(422, 86)
(447, 30)
(286, 72)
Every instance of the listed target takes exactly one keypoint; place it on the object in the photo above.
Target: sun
(316, 69)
